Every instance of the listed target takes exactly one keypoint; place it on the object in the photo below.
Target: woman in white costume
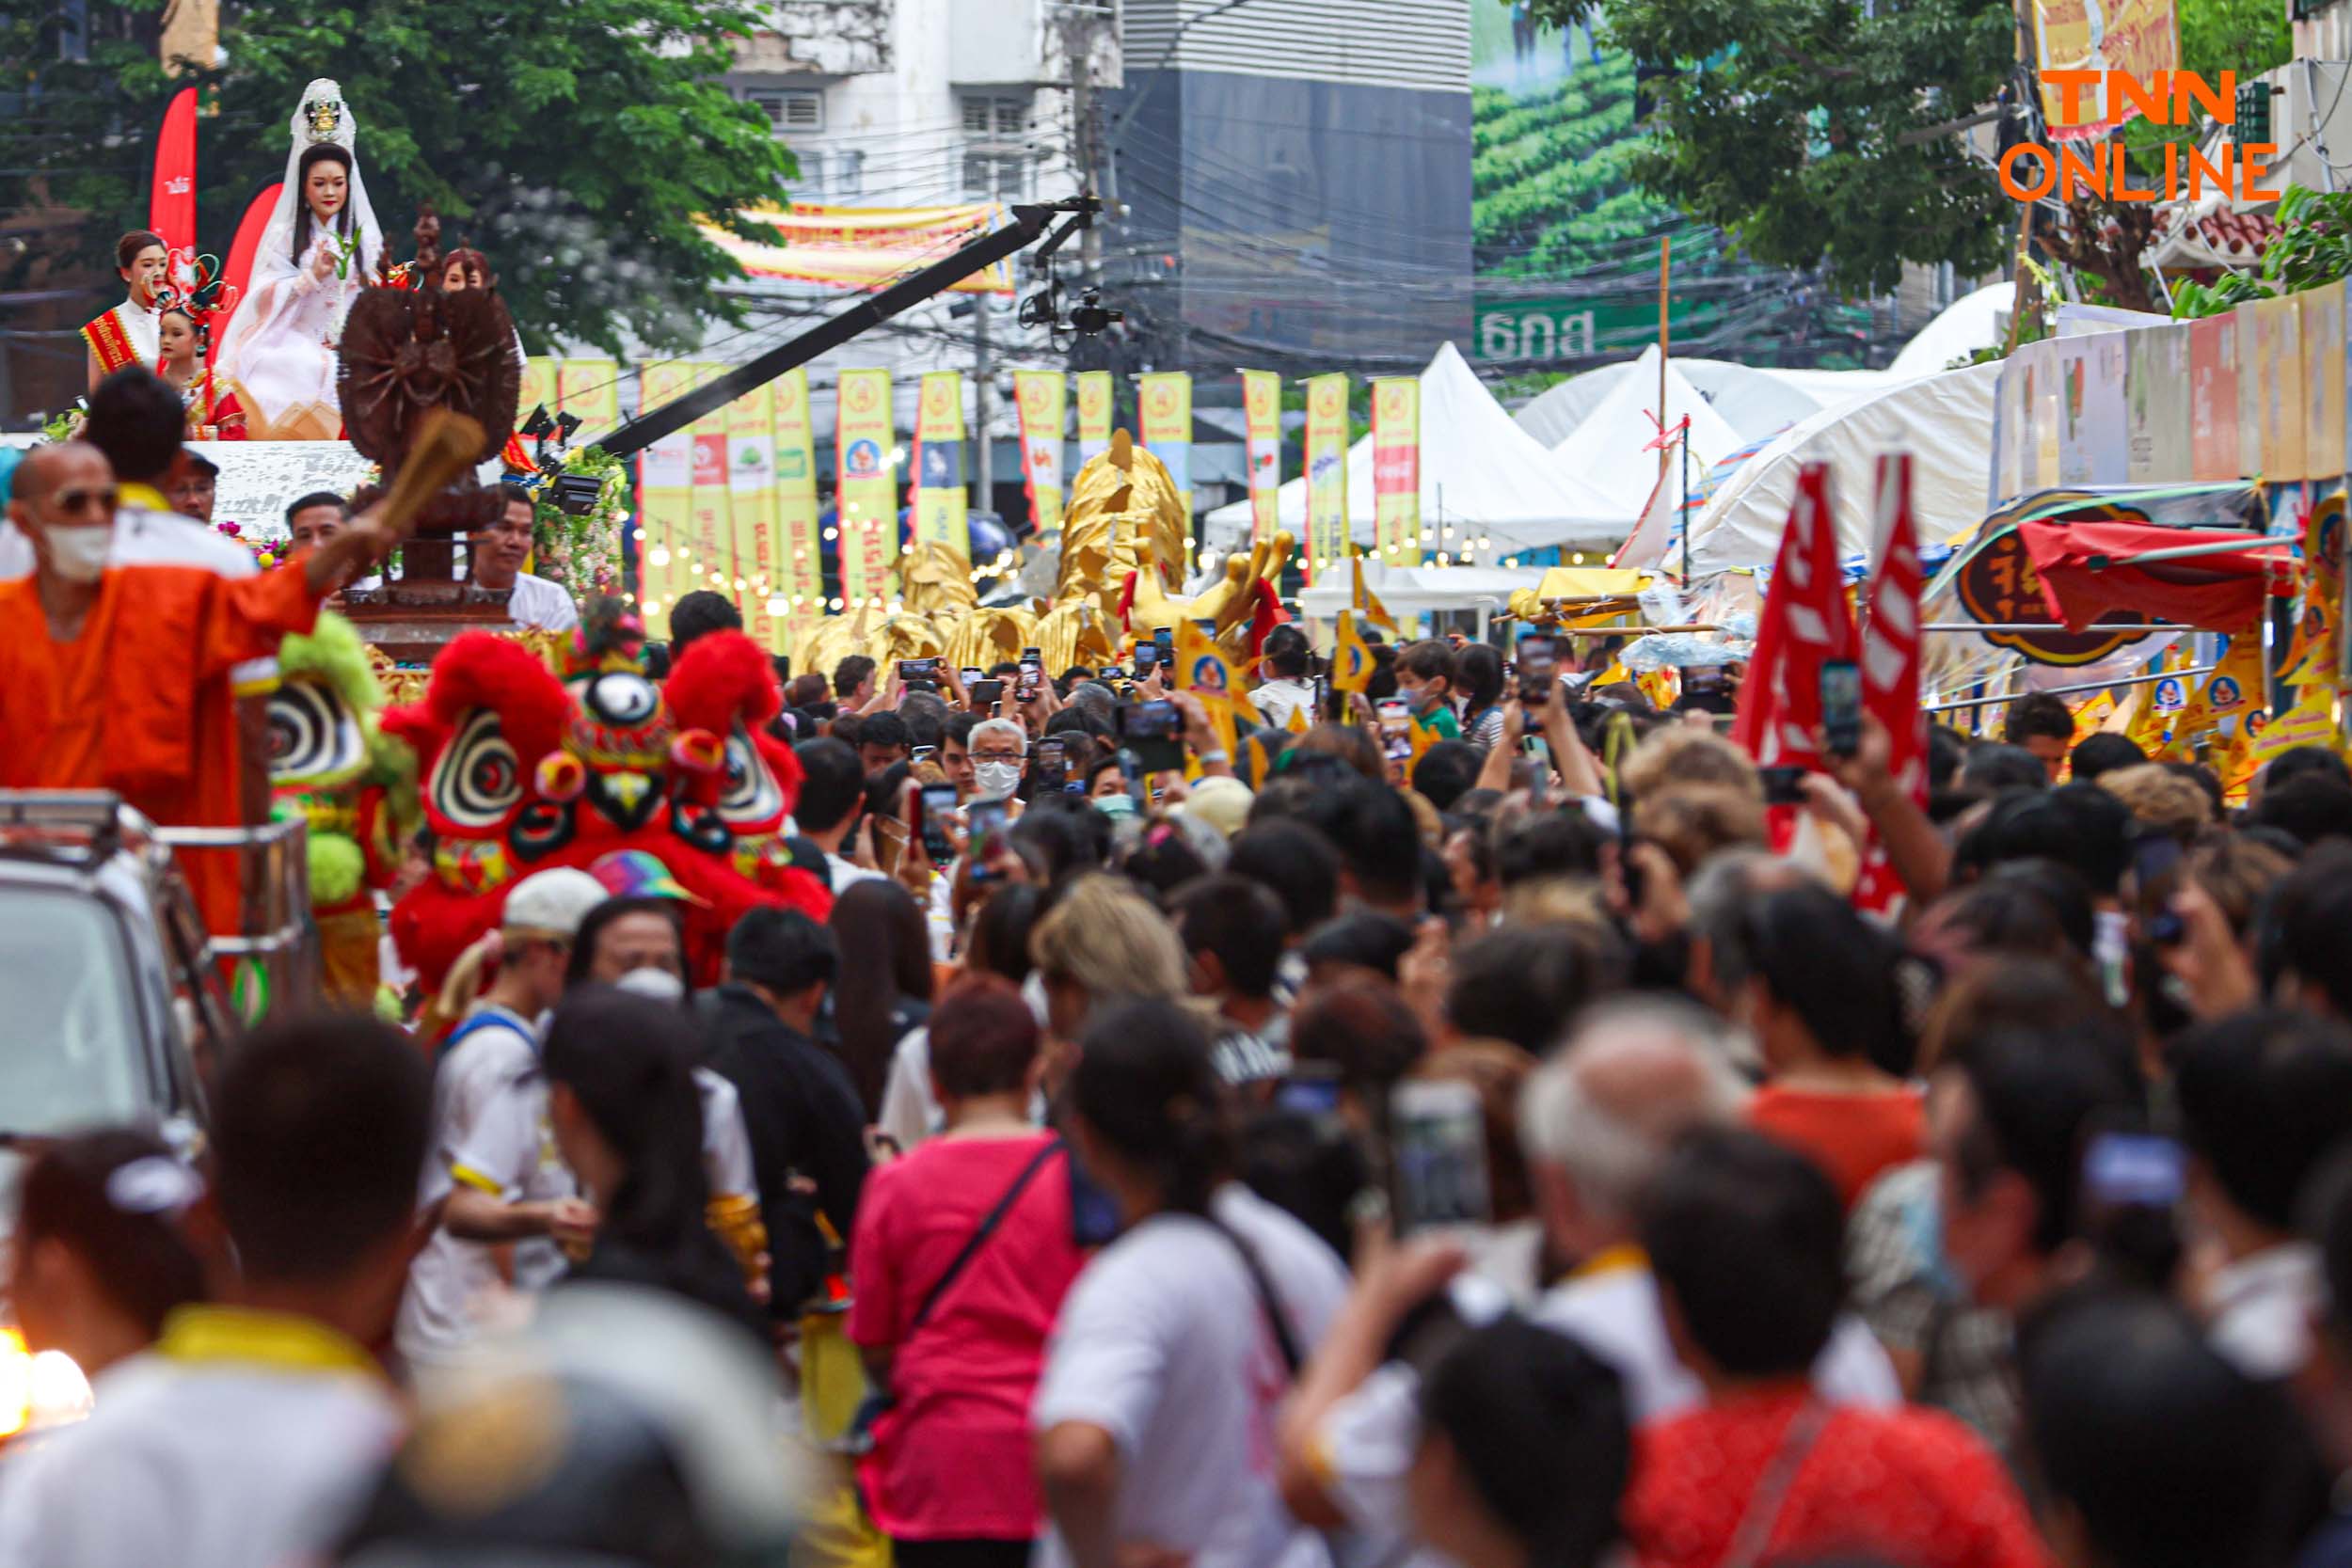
(314, 258)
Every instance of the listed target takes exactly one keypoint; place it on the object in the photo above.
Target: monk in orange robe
(101, 667)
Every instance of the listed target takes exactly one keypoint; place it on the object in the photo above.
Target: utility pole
(1077, 35)
(983, 406)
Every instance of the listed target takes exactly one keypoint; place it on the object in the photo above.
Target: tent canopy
(1614, 448)
(1478, 470)
(1966, 324)
(1944, 421)
(1757, 401)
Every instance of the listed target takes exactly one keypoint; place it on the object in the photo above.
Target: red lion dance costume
(523, 771)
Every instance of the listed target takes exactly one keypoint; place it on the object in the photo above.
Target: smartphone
(1164, 640)
(937, 804)
(1153, 731)
(1147, 658)
(1437, 1155)
(917, 670)
(1841, 706)
(1051, 770)
(985, 842)
(986, 694)
(1782, 786)
(2132, 1183)
(1032, 671)
(2155, 858)
(1397, 716)
(1539, 665)
(970, 672)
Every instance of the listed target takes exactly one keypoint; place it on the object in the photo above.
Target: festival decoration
(581, 553)
(525, 769)
(1806, 622)
(355, 786)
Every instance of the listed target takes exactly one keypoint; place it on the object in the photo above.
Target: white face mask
(996, 780)
(79, 554)
(655, 985)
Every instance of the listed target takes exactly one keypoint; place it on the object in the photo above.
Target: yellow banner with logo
(1326, 475)
(1166, 397)
(868, 491)
(801, 560)
(1094, 413)
(941, 504)
(1396, 469)
(537, 391)
(711, 533)
(1043, 397)
(751, 506)
(590, 391)
(1261, 403)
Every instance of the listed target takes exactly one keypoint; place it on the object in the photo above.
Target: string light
(832, 533)
(638, 534)
(777, 604)
(1576, 560)
(660, 556)
(837, 604)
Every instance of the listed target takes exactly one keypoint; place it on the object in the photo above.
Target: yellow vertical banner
(590, 391)
(711, 532)
(751, 505)
(1166, 397)
(2322, 317)
(1261, 404)
(1094, 413)
(800, 556)
(941, 503)
(1326, 475)
(866, 492)
(665, 499)
(1396, 469)
(537, 391)
(1043, 398)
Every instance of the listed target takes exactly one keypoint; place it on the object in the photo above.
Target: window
(996, 176)
(997, 119)
(848, 173)
(790, 111)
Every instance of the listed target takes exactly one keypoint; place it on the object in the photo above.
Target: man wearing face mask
(999, 750)
(106, 684)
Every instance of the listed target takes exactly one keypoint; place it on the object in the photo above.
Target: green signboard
(1539, 330)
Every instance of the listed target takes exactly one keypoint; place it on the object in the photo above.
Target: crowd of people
(1518, 1152)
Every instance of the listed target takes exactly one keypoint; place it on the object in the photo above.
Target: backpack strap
(979, 1237)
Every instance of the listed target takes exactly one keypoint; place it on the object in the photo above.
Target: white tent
(1756, 401)
(1480, 473)
(1613, 452)
(1966, 324)
(1946, 424)
(1414, 591)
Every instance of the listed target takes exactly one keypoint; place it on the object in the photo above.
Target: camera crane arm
(1029, 222)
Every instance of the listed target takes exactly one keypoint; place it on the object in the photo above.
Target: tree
(1795, 124)
(578, 145)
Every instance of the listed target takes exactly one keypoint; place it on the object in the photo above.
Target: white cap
(553, 901)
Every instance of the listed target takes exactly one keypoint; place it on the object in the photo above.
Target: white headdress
(320, 118)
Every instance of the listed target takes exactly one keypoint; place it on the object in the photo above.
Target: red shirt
(1909, 1485)
(1852, 1136)
(951, 1459)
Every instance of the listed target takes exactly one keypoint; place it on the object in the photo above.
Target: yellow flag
(1422, 738)
(1351, 660)
(2311, 721)
(1659, 687)
(1202, 670)
(1367, 604)
(1298, 722)
(2237, 683)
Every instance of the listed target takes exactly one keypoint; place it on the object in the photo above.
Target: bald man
(1596, 1121)
(115, 676)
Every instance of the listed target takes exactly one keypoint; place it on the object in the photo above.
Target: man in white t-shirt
(253, 1429)
(1595, 1119)
(1161, 1382)
(494, 1168)
(496, 557)
(832, 795)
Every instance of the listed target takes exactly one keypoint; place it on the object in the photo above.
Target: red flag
(1890, 662)
(1806, 621)
(171, 207)
(241, 255)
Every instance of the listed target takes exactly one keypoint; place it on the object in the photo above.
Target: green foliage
(2312, 249)
(574, 144)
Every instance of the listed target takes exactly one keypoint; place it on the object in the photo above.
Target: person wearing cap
(493, 1155)
(1223, 803)
(195, 485)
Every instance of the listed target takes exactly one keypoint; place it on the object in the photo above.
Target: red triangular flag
(1890, 660)
(1806, 621)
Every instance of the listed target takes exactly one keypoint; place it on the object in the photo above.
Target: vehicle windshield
(69, 1052)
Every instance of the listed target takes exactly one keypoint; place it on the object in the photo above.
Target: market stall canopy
(1426, 590)
(1757, 401)
(861, 248)
(2088, 570)
(1615, 447)
(1972, 322)
(1944, 421)
(1480, 473)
